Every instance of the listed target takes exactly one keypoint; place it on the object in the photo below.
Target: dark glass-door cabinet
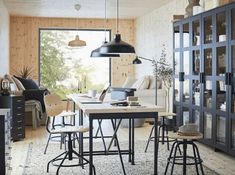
(204, 75)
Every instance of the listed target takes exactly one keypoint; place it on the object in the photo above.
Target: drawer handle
(19, 121)
(19, 107)
(19, 114)
(19, 127)
(19, 100)
(19, 134)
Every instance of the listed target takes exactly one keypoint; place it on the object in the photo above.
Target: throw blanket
(36, 94)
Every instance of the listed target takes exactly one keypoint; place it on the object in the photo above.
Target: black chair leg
(57, 171)
(49, 138)
(195, 158)
(173, 162)
(167, 138)
(54, 160)
(149, 139)
(168, 160)
(199, 158)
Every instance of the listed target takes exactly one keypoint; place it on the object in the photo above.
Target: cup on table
(92, 93)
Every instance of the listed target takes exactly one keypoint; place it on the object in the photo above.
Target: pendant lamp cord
(77, 23)
(105, 21)
(117, 24)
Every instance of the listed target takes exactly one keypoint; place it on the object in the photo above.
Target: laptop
(100, 99)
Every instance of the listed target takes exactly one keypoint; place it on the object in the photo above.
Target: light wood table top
(166, 114)
(101, 108)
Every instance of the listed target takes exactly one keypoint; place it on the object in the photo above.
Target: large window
(64, 69)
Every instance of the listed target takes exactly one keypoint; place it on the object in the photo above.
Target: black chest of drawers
(5, 142)
(17, 106)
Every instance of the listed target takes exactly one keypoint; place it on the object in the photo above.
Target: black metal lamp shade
(117, 46)
(136, 61)
(96, 53)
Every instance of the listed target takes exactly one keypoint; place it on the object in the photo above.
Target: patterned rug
(105, 165)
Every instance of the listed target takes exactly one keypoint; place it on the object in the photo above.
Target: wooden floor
(220, 162)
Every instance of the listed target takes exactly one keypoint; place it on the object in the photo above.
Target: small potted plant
(163, 71)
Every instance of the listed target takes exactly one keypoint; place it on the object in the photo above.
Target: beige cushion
(129, 82)
(152, 84)
(141, 83)
(7, 76)
(13, 86)
(18, 84)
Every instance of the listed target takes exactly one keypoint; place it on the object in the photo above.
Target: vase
(189, 8)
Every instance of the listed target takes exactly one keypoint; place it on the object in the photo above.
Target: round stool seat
(177, 135)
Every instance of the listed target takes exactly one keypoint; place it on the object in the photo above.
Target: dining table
(96, 110)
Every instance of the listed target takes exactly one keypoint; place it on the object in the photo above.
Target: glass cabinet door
(220, 129)
(208, 62)
(208, 29)
(207, 94)
(196, 92)
(196, 118)
(177, 37)
(176, 63)
(186, 35)
(196, 33)
(177, 90)
(186, 66)
(233, 24)
(186, 118)
(221, 95)
(196, 62)
(207, 125)
(233, 81)
(233, 133)
(221, 61)
(186, 91)
(221, 24)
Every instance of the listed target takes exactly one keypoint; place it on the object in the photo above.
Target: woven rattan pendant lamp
(77, 42)
(96, 52)
(117, 46)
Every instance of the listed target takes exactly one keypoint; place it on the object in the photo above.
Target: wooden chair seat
(69, 129)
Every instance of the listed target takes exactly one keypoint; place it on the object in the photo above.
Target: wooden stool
(163, 128)
(182, 159)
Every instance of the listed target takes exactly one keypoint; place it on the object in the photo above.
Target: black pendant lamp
(117, 46)
(96, 52)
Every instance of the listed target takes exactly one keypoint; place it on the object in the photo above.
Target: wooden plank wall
(24, 42)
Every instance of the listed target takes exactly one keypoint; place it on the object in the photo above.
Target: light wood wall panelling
(24, 42)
